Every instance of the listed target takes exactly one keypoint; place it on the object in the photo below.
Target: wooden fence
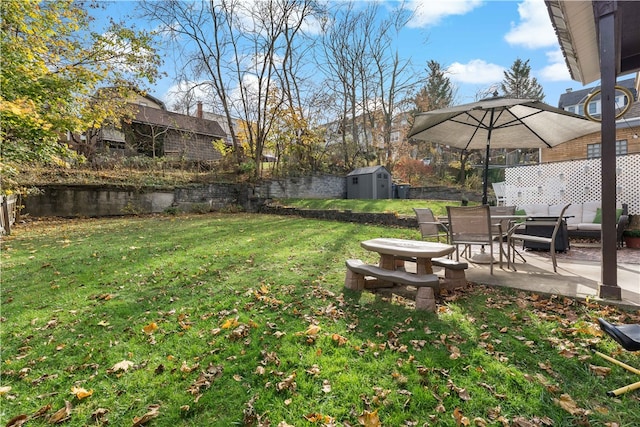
(9, 213)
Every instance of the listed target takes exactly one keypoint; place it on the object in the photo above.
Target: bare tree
(364, 68)
(345, 63)
(393, 76)
(237, 49)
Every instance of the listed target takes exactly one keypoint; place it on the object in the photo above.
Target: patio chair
(500, 228)
(628, 336)
(429, 226)
(513, 236)
(470, 225)
(500, 190)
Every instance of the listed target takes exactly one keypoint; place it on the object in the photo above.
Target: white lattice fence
(576, 181)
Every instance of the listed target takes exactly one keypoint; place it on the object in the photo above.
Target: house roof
(575, 97)
(155, 116)
(367, 170)
(576, 26)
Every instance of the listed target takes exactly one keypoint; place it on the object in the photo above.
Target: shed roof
(366, 170)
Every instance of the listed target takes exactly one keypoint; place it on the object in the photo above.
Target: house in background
(155, 132)
(589, 146)
(373, 182)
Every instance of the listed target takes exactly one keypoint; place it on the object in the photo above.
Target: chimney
(199, 111)
(569, 89)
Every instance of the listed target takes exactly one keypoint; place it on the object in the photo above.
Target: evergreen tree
(437, 93)
(519, 84)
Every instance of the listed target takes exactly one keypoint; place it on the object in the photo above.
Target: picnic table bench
(362, 276)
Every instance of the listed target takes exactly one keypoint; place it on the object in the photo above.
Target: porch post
(609, 42)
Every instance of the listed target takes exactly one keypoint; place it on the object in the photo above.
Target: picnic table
(392, 248)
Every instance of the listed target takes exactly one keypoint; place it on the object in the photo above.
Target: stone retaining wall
(100, 200)
(387, 219)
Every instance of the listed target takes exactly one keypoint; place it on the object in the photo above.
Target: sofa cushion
(589, 226)
(598, 218)
(537, 209)
(589, 210)
(573, 212)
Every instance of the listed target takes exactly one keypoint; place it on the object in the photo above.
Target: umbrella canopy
(500, 122)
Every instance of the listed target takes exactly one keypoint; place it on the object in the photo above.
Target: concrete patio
(579, 272)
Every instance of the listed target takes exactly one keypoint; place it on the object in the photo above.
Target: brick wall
(577, 148)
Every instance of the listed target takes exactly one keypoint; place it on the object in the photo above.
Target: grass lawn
(240, 319)
(399, 206)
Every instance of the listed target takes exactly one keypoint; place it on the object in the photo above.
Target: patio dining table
(498, 221)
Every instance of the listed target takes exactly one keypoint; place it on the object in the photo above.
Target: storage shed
(373, 182)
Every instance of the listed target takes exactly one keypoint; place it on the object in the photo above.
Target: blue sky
(475, 40)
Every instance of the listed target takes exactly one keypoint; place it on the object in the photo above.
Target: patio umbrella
(499, 122)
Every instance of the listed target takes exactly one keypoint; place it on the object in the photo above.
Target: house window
(581, 109)
(354, 180)
(595, 150)
(571, 109)
(593, 107)
(621, 147)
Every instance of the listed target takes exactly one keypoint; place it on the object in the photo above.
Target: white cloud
(177, 91)
(557, 70)
(432, 12)
(534, 29)
(475, 71)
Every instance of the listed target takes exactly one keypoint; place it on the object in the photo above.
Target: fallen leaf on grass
(205, 380)
(569, 405)
(120, 366)
(99, 414)
(369, 419)
(153, 412)
(460, 418)
(314, 417)
(480, 422)
(80, 392)
(601, 371)
(455, 352)
(150, 328)
(339, 339)
(289, 383)
(312, 330)
(230, 323)
(4, 390)
(17, 421)
(62, 414)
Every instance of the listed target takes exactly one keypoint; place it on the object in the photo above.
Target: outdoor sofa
(583, 219)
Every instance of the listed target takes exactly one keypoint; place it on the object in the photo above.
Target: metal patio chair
(470, 225)
(557, 222)
(429, 226)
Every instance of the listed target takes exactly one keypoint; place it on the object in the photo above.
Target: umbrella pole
(485, 181)
(485, 177)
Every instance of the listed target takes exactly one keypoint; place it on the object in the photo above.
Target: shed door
(381, 190)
